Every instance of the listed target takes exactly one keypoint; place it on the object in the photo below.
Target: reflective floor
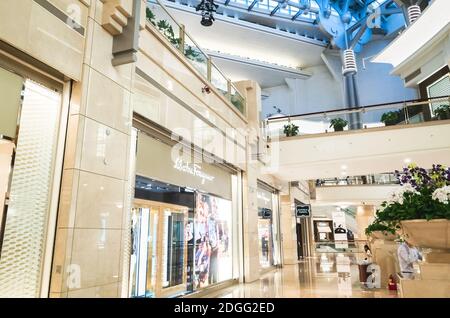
(327, 275)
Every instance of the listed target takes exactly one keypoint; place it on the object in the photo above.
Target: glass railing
(158, 15)
(350, 246)
(366, 117)
(371, 179)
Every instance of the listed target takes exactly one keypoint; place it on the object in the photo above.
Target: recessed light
(407, 160)
(344, 167)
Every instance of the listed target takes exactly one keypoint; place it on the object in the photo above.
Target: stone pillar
(364, 216)
(288, 234)
(92, 221)
(252, 94)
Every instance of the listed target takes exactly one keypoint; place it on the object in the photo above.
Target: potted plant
(380, 230)
(338, 124)
(290, 129)
(442, 112)
(390, 118)
(420, 208)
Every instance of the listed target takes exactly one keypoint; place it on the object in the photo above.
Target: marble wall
(94, 202)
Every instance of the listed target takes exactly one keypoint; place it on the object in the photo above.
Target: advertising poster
(213, 245)
(339, 230)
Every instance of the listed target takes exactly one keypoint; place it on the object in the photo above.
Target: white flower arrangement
(398, 195)
(442, 194)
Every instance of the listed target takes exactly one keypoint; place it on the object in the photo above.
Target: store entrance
(299, 231)
(159, 249)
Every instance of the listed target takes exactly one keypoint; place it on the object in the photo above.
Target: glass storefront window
(213, 240)
(269, 251)
(183, 235)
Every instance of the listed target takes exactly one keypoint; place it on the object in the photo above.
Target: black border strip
(61, 16)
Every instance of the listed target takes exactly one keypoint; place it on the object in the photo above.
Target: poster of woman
(212, 240)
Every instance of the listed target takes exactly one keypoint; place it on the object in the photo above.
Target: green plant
(379, 226)
(419, 197)
(193, 54)
(390, 118)
(338, 124)
(442, 112)
(237, 102)
(150, 16)
(290, 129)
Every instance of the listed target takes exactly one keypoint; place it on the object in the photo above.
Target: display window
(213, 240)
(268, 218)
(182, 224)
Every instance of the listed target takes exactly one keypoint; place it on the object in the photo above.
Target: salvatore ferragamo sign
(192, 169)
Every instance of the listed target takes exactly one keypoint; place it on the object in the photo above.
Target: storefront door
(32, 131)
(159, 249)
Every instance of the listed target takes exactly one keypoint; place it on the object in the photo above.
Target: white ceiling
(362, 152)
(241, 38)
(418, 35)
(266, 75)
(352, 195)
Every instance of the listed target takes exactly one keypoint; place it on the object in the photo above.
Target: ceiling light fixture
(207, 8)
(407, 160)
(344, 167)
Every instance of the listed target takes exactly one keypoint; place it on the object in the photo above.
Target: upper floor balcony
(371, 117)
(360, 141)
(160, 19)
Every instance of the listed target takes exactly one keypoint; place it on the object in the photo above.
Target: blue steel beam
(299, 12)
(275, 10)
(251, 5)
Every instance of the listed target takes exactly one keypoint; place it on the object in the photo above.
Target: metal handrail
(405, 104)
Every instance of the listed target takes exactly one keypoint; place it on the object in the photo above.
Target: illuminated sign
(302, 210)
(192, 169)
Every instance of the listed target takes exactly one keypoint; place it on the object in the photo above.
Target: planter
(338, 128)
(381, 236)
(444, 116)
(390, 123)
(431, 234)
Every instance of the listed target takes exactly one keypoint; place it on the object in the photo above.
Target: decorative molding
(115, 15)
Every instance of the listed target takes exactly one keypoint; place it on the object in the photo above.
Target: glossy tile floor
(327, 275)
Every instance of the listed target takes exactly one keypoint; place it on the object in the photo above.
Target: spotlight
(206, 89)
(207, 7)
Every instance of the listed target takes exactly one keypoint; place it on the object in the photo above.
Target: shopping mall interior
(225, 149)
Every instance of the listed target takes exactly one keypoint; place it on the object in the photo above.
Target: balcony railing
(371, 179)
(158, 15)
(365, 117)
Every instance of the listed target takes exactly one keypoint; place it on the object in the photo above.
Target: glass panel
(438, 89)
(11, 86)
(196, 56)
(213, 237)
(237, 100)
(385, 116)
(26, 220)
(218, 80)
(164, 23)
(174, 257)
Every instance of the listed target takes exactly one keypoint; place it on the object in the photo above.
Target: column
(92, 222)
